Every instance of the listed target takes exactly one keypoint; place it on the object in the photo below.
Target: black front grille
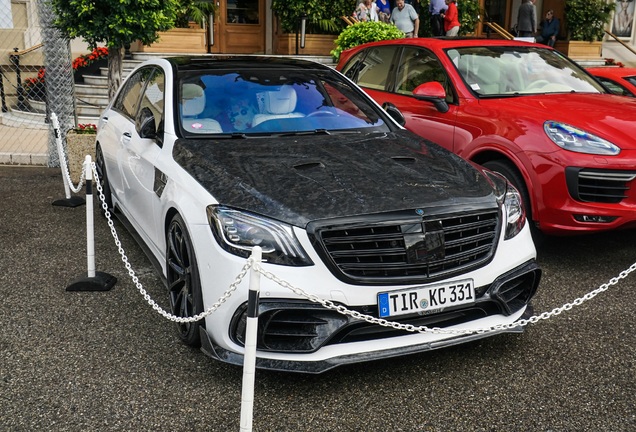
(602, 186)
(416, 250)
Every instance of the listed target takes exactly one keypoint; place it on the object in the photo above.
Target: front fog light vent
(594, 219)
(515, 292)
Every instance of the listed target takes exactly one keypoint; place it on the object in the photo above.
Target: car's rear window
(265, 102)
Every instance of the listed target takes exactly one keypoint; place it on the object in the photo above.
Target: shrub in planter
(323, 17)
(364, 32)
(586, 19)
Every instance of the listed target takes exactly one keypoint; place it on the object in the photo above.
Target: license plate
(426, 299)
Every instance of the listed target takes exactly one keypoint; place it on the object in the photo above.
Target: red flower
(87, 59)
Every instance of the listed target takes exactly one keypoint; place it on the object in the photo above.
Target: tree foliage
(364, 32)
(322, 16)
(115, 23)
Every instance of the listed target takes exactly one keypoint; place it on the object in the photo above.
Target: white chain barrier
(328, 304)
(226, 295)
(66, 175)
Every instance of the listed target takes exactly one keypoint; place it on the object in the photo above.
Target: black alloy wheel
(184, 284)
(100, 165)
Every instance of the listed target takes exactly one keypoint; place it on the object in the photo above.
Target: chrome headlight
(510, 198)
(238, 232)
(573, 139)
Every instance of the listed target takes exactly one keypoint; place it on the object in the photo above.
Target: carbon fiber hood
(300, 179)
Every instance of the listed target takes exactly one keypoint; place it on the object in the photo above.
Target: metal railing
(499, 30)
(620, 41)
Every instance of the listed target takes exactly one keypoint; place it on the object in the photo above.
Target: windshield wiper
(310, 132)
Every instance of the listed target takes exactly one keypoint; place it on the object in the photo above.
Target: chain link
(328, 304)
(66, 172)
(226, 295)
(436, 330)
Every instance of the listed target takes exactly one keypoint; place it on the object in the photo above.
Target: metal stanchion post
(249, 359)
(93, 281)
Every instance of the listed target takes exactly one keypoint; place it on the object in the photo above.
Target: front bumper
(585, 193)
(316, 329)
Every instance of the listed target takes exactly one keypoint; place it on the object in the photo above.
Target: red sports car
(620, 81)
(521, 109)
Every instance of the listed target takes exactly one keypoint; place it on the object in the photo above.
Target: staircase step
(96, 80)
(124, 72)
(100, 101)
(31, 120)
(88, 110)
(24, 120)
(91, 90)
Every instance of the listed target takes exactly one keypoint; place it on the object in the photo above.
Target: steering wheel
(321, 113)
(538, 84)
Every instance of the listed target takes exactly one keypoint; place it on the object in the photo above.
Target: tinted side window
(615, 87)
(152, 99)
(418, 67)
(374, 69)
(128, 99)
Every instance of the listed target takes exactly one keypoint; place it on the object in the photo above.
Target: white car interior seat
(278, 104)
(192, 105)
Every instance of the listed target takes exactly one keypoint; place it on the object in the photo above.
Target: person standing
(405, 18)
(549, 29)
(451, 18)
(436, 8)
(367, 10)
(527, 19)
(384, 8)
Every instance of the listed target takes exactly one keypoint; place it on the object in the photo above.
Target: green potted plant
(322, 24)
(193, 11)
(585, 21)
(364, 32)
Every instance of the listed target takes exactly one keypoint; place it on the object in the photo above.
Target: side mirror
(432, 92)
(394, 112)
(145, 124)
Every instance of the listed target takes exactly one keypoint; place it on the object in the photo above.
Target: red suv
(521, 109)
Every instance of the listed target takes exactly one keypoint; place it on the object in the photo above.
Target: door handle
(126, 137)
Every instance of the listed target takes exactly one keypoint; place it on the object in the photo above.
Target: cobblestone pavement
(86, 361)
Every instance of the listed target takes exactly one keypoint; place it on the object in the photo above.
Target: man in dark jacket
(549, 29)
(527, 19)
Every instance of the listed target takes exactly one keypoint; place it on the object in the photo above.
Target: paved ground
(106, 362)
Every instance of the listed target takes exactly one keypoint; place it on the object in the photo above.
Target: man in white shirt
(405, 18)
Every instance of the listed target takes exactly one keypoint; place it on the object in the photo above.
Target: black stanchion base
(74, 201)
(101, 282)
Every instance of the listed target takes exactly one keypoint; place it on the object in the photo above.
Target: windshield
(264, 102)
(514, 70)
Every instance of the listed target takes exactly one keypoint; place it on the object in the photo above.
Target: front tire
(184, 284)
(100, 164)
